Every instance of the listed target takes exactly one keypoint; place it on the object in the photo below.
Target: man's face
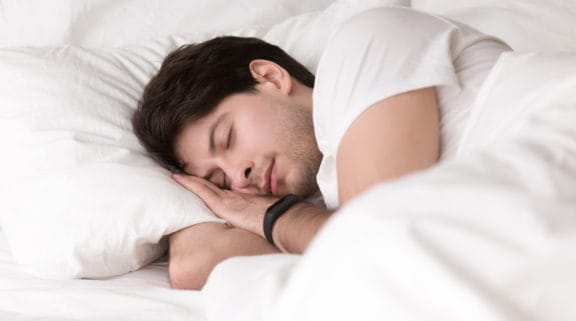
(257, 143)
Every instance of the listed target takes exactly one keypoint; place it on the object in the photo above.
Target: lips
(268, 186)
(273, 179)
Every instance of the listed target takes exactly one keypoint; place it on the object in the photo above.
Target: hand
(241, 210)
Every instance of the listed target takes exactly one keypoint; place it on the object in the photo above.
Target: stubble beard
(303, 151)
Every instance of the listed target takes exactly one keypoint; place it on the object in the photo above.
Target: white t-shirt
(386, 51)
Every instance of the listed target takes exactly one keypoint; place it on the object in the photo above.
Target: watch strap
(274, 212)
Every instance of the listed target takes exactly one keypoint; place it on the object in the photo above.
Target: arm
(292, 232)
(195, 251)
(392, 138)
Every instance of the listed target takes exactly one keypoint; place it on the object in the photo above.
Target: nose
(241, 177)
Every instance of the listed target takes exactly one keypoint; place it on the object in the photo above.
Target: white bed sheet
(140, 296)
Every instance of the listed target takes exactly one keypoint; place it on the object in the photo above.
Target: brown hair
(193, 80)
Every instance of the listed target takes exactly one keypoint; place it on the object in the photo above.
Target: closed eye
(230, 138)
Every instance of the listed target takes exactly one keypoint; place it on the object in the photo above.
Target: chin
(305, 189)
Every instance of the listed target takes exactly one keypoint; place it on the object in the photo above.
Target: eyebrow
(211, 140)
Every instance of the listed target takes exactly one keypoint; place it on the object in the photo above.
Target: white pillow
(79, 196)
(527, 25)
(130, 22)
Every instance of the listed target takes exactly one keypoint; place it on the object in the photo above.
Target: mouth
(269, 185)
(273, 179)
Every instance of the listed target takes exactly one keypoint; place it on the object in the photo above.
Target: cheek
(259, 141)
(260, 136)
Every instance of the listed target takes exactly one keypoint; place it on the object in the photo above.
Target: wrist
(295, 229)
(274, 212)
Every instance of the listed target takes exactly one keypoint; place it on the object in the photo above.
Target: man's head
(236, 111)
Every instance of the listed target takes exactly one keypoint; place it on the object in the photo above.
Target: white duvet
(488, 236)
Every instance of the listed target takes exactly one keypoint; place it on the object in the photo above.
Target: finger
(204, 189)
(208, 184)
(200, 189)
(188, 180)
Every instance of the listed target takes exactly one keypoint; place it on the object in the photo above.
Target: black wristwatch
(275, 211)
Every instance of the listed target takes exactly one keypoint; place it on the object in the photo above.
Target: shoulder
(392, 32)
(393, 21)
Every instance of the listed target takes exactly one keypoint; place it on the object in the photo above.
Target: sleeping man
(256, 135)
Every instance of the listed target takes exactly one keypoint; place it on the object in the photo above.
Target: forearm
(292, 231)
(239, 242)
(194, 252)
(295, 229)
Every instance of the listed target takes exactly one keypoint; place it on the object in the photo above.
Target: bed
(84, 212)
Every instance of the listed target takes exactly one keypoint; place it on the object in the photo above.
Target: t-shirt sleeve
(375, 55)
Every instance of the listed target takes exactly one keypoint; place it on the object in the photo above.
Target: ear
(267, 72)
